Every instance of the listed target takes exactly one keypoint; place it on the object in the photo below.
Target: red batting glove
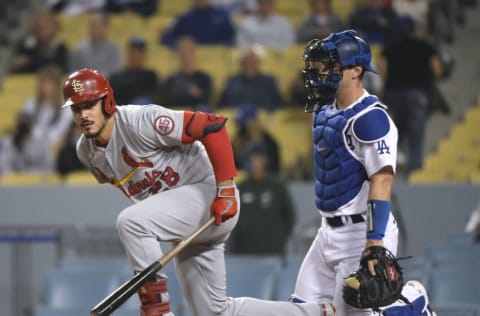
(225, 204)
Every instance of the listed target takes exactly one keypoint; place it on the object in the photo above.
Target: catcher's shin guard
(154, 298)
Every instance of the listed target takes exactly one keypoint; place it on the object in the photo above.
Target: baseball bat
(113, 301)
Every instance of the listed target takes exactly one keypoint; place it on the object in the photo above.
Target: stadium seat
(286, 278)
(80, 178)
(252, 263)
(457, 310)
(115, 265)
(49, 311)
(78, 289)
(461, 237)
(455, 284)
(447, 253)
(252, 284)
(416, 269)
(29, 178)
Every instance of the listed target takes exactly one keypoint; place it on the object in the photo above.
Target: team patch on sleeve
(164, 125)
(371, 126)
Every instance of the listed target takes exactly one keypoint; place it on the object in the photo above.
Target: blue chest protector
(338, 175)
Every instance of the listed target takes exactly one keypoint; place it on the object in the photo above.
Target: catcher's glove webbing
(362, 290)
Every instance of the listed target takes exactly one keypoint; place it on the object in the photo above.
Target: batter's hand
(225, 204)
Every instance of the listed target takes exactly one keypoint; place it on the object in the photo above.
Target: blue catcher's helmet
(345, 49)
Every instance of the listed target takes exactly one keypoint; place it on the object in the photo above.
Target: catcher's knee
(416, 308)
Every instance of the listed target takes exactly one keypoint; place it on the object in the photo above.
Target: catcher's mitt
(362, 290)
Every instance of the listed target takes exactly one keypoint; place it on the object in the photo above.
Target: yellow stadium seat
(28, 179)
(15, 90)
(80, 178)
(291, 8)
(344, 7)
(231, 125)
(475, 177)
(291, 128)
(174, 7)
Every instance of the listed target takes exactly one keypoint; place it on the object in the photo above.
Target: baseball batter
(355, 150)
(177, 166)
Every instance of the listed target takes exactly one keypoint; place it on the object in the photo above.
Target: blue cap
(137, 42)
(245, 113)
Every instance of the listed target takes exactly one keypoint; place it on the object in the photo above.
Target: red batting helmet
(88, 85)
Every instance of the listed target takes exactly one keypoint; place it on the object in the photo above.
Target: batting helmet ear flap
(109, 103)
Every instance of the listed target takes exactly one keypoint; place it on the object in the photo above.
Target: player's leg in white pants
(333, 255)
(171, 216)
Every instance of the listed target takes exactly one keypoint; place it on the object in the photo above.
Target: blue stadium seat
(252, 263)
(48, 311)
(461, 238)
(457, 310)
(416, 268)
(108, 264)
(452, 284)
(285, 281)
(257, 284)
(252, 275)
(75, 289)
(440, 254)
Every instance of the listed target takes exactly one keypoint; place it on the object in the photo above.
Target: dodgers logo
(164, 125)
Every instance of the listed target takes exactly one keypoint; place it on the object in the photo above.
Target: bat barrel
(125, 291)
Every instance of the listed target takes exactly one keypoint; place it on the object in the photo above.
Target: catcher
(355, 151)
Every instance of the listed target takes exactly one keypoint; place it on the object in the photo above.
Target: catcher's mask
(89, 84)
(324, 63)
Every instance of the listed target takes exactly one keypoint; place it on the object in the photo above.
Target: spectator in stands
(50, 122)
(410, 67)
(189, 86)
(251, 132)
(135, 84)
(97, 51)
(22, 151)
(321, 22)
(145, 8)
(75, 7)
(208, 25)
(268, 215)
(40, 47)
(251, 85)
(265, 27)
(67, 159)
(376, 20)
(236, 7)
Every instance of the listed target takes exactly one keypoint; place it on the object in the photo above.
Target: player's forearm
(225, 182)
(381, 185)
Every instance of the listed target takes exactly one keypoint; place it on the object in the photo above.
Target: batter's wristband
(378, 213)
(225, 191)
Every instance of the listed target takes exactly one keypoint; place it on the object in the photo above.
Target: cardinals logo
(135, 164)
(164, 125)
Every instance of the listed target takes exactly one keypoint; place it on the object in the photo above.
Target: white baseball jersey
(145, 153)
